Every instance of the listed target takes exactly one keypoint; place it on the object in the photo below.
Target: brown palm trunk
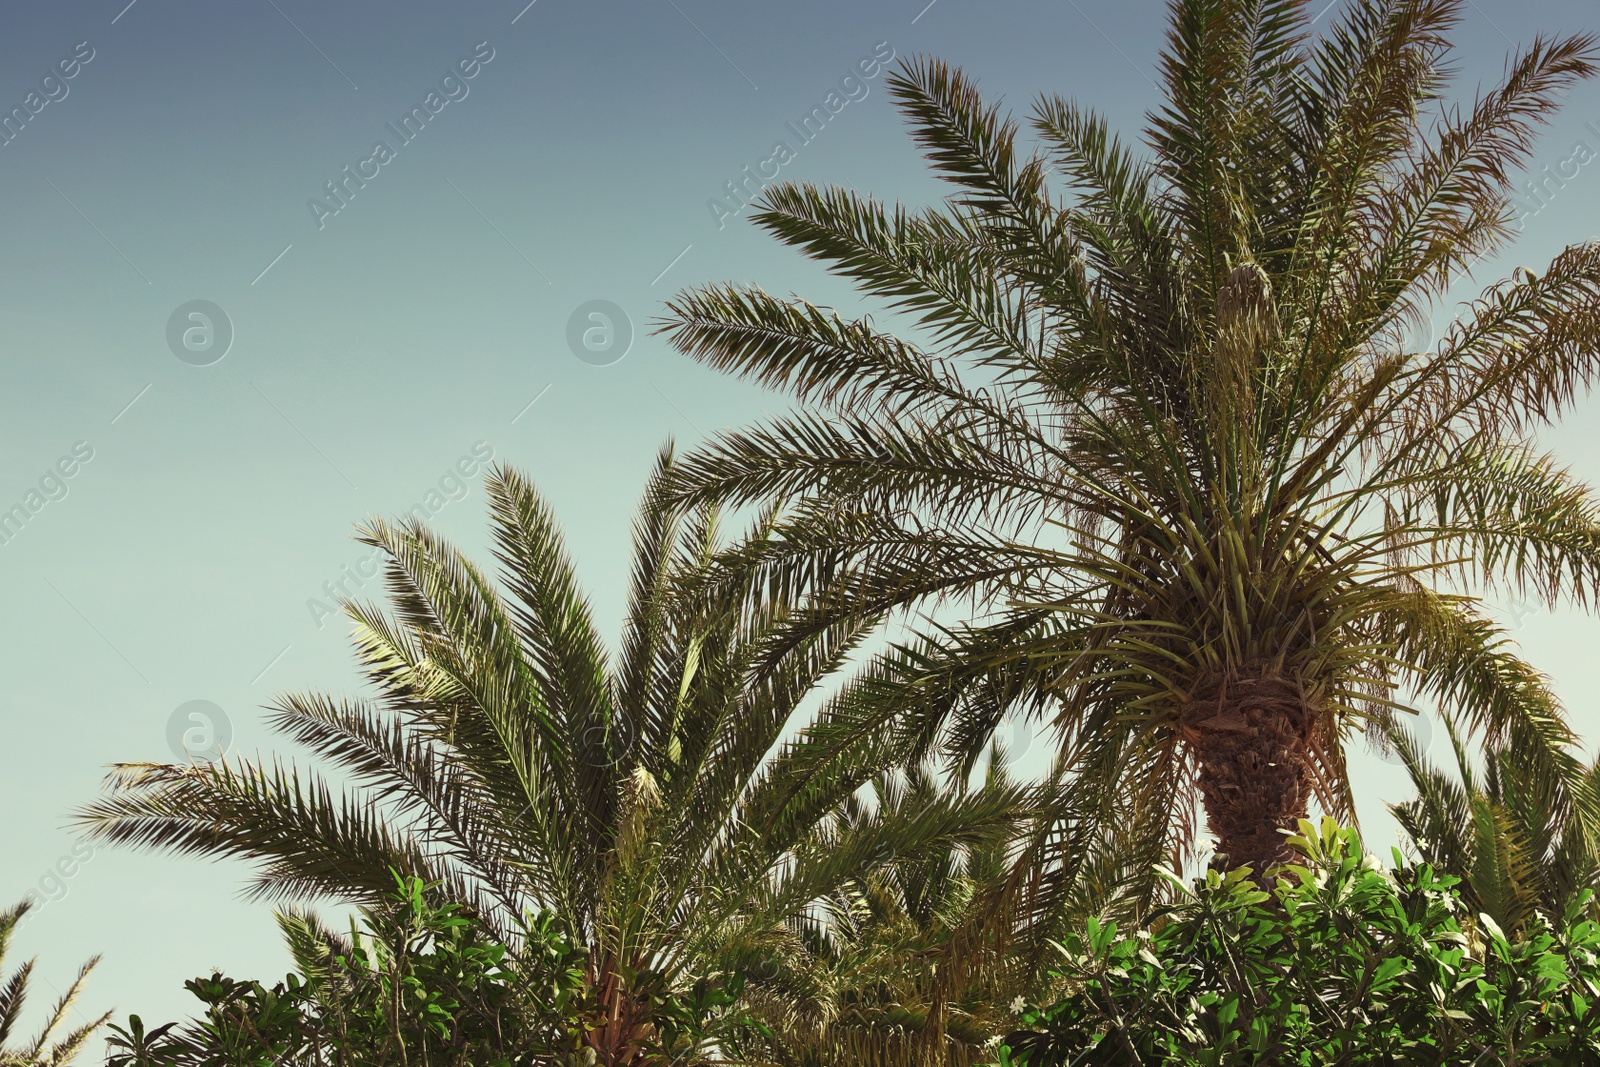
(618, 1039)
(1255, 736)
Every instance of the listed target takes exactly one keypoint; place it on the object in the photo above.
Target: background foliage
(1341, 962)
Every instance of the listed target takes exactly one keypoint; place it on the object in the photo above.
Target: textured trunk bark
(1255, 737)
(618, 1041)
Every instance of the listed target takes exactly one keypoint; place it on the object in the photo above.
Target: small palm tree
(1503, 830)
(50, 1048)
(1160, 430)
(874, 957)
(655, 804)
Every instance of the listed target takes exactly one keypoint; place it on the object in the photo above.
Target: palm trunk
(618, 1039)
(934, 1052)
(1255, 736)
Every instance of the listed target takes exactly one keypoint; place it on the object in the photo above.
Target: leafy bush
(420, 984)
(1341, 962)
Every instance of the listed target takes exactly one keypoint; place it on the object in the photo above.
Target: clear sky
(570, 153)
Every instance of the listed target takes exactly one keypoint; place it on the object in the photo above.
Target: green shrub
(418, 984)
(1342, 962)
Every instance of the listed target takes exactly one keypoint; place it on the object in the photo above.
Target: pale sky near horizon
(378, 354)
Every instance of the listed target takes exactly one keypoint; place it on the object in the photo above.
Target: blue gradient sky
(417, 322)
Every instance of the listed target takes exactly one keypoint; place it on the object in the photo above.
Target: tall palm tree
(50, 1047)
(1153, 420)
(1502, 830)
(654, 803)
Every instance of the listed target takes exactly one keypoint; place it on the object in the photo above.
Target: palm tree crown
(1158, 423)
(1503, 830)
(652, 804)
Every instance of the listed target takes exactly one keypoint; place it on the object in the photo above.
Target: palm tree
(872, 958)
(653, 804)
(44, 1050)
(1158, 430)
(1503, 831)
